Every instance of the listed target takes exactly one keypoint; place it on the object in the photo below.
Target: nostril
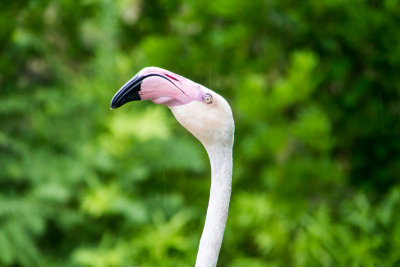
(173, 78)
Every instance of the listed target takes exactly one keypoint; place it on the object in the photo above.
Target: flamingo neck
(218, 205)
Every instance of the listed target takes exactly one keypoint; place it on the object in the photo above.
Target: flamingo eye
(207, 98)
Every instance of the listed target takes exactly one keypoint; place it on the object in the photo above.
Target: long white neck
(218, 205)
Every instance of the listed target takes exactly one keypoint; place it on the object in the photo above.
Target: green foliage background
(315, 91)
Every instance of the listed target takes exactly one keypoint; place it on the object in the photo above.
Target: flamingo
(207, 116)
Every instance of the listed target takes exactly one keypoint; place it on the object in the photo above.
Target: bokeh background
(315, 91)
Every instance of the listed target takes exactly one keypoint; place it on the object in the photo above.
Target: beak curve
(130, 90)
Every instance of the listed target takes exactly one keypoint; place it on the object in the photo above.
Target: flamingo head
(200, 110)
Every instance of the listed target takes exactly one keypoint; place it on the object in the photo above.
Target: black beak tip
(128, 92)
(113, 106)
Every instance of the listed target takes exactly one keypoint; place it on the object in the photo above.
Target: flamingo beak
(128, 92)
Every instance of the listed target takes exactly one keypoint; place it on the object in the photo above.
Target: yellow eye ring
(207, 98)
